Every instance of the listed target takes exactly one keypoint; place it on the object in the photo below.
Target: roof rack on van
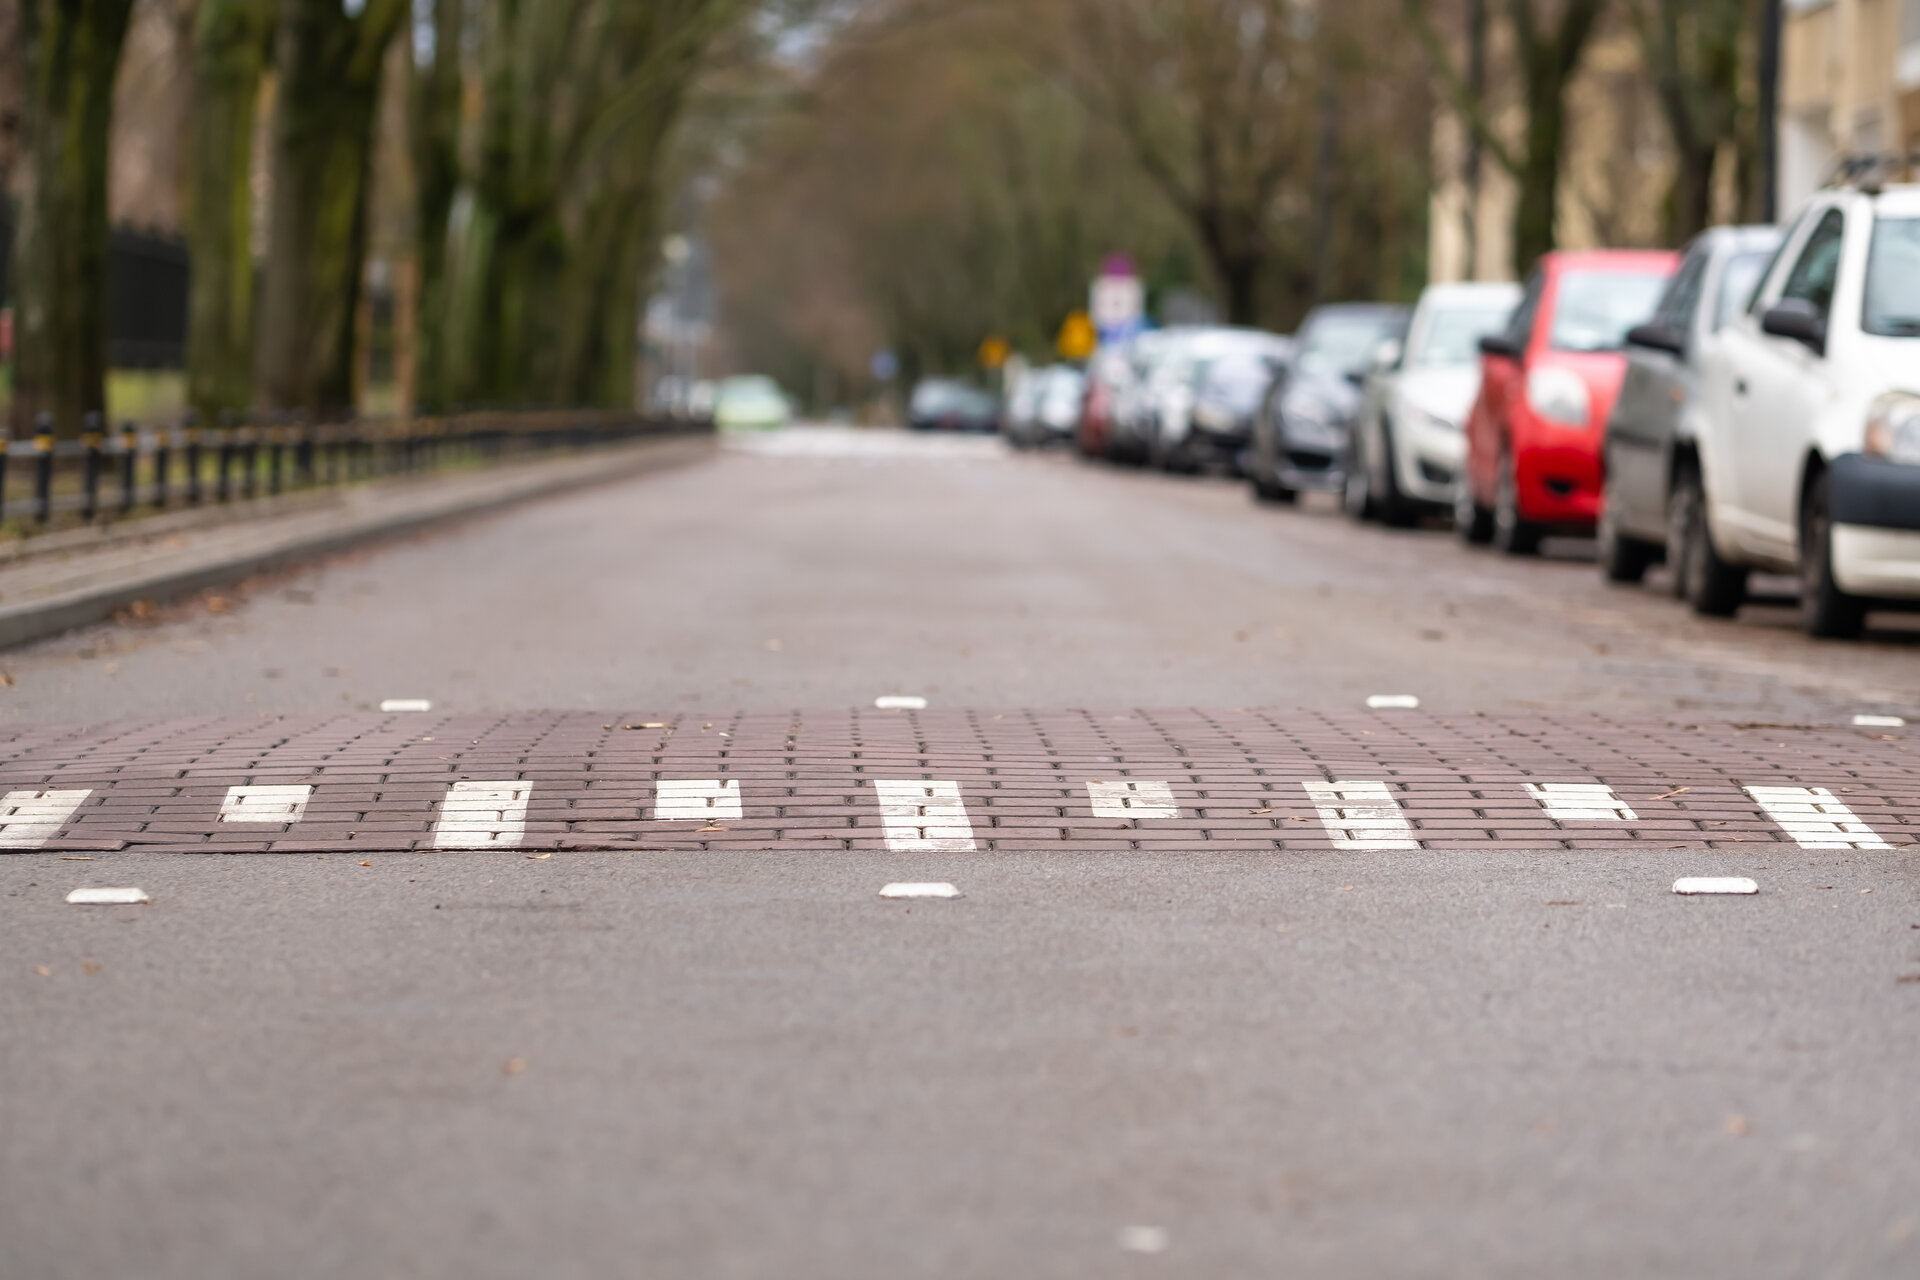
(1872, 170)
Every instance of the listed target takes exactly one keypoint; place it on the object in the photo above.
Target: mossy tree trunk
(328, 65)
(436, 160)
(71, 50)
(231, 41)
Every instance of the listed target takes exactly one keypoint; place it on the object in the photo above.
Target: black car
(1300, 434)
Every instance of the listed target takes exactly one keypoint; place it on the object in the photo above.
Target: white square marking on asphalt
(1580, 802)
(1715, 884)
(681, 801)
(483, 815)
(1132, 800)
(28, 819)
(1815, 819)
(265, 804)
(924, 817)
(1361, 815)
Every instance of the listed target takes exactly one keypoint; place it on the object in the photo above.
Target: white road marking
(28, 819)
(924, 817)
(863, 443)
(1140, 1239)
(1580, 802)
(406, 704)
(676, 800)
(1361, 815)
(1879, 722)
(1714, 884)
(483, 815)
(108, 897)
(900, 702)
(919, 891)
(265, 804)
(1393, 701)
(1125, 799)
(1815, 819)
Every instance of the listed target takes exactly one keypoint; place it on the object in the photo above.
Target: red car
(1547, 384)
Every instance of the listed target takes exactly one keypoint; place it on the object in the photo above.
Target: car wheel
(1511, 533)
(1680, 503)
(1357, 491)
(1622, 558)
(1473, 522)
(1715, 588)
(1825, 610)
(1391, 504)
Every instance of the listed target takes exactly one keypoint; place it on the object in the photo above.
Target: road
(1225, 1045)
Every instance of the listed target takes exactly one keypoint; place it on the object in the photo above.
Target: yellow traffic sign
(1077, 338)
(994, 351)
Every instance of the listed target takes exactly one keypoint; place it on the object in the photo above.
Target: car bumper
(1428, 460)
(1884, 563)
(1874, 494)
(1560, 483)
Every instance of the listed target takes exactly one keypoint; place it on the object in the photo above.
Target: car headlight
(1893, 428)
(1559, 396)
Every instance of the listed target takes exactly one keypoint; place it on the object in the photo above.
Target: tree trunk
(436, 139)
(1539, 180)
(71, 51)
(329, 68)
(230, 51)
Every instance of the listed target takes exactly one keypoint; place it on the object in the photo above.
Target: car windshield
(1596, 308)
(1737, 284)
(1893, 279)
(1238, 381)
(1336, 346)
(941, 397)
(1454, 333)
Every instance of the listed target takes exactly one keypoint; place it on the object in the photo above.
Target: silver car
(1650, 456)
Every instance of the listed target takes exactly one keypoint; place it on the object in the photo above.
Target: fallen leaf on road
(6, 678)
(45, 972)
(218, 604)
(1671, 794)
(90, 967)
(76, 857)
(366, 864)
(538, 857)
(703, 830)
(1736, 1125)
(513, 1066)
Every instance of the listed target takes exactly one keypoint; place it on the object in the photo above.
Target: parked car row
(1751, 404)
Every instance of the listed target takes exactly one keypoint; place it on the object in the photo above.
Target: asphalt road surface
(1224, 1052)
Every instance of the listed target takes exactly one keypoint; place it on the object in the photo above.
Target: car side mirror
(1499, 344)
(1657, 337)
(1798, 319)
(1386, 356)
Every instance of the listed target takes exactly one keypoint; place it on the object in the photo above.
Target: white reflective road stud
(684, 801)
(108, 897)
(1580, 802)
(1815, 819)
(924, 817)
(1126, 799)
(28, 819)
(1393, 701)
(900, 702)
(1714, 884)
(483, 815)
(1361, 815)
(1879, 722)
(406, 704)
(919, 891)
(265, 804)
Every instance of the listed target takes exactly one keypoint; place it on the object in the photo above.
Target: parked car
(945, 404)
(1107, 373)
(1044, 405)
(1204, 412)
(1409, 439)
(1299, 438)
(1155, 367)
(1809, 457)
(750, 403)
(1652, 436)
(1547, 385)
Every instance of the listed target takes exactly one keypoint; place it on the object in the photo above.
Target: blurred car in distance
(1202, 408)
(1044, 405)
(1650, 453)
(946, 404)
(1299, 438)
(1547, 385)
(750, 402)
(1409, 439)
(1109, 369)
(1810, 420)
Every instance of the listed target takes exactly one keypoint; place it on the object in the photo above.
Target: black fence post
(223, 461)
(43, 468)
(6, 447)
(249, 456)
(129, 454)
(90, 467)
(276, 448)
(162, 454)
(193, 458)
(302, 452)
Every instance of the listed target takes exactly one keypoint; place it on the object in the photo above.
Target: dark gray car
(1300, 434)
(1649, 456)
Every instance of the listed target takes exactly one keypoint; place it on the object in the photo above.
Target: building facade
(1849, 85)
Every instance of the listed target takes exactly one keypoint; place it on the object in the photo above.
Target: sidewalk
(73, 579)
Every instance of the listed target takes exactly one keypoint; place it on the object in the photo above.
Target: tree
(436, 121)
(70, 51)
(1696, 51)
(1548, 51)
(328, 67)
(231, 41)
